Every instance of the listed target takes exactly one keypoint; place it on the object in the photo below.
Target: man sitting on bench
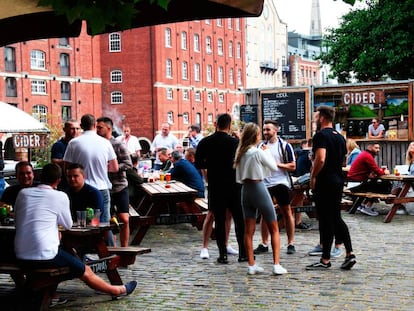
(366, 170)
(38, 212)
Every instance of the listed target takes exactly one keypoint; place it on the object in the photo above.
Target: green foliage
(373, 43)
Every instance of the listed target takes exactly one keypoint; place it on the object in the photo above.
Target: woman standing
(252, 165)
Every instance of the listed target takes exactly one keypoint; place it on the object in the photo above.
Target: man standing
(119, 191)
(194, 135)
(71, 130)
(98, 157)
(39, 211)
(278, 184)
(131, 141)
(364, 170)
(327, 182)
(163, 139)
(215, 153)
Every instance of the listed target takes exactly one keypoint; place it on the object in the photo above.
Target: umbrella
(23, 20)
(14, 120)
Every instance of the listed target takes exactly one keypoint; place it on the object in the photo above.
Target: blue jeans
(2, 186)
(106, 213)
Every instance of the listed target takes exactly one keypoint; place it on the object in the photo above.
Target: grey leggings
(256, 197)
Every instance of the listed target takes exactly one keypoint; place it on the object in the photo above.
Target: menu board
(289, 110)
(248, 113)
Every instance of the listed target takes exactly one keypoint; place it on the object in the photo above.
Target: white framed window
(196, 42)
(170, 117)
(208, 21)
(197, 96)
(115, 42)
(186, 95)
(220, 46)
(37, 59)
(209, 49)
(229, 23)
(183, 40)
(210, 97)
(230, 48)
(220, 74)
(238, 50)
(186, 119)
(168, 37)
(221, 97)
(168, 68)
(184, 70)
(231, 76)
(38, 87)
(198, 118)
(209, 73)
(239, 77)
(116, 98)
(237, 22)
(169, 93)
(219, 22)
(210, 118)
(197, 72)
(39, 112)
(116, 76)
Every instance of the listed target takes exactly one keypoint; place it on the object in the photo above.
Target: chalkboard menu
(288, 109)
(248, 113)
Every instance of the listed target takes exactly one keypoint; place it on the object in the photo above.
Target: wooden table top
(393, 177)
(164, 188)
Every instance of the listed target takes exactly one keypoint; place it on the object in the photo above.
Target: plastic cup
(96, 220)
(162, 176)
(81, 218)
(168, 177)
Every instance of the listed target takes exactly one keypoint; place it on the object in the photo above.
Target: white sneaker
(254, 270)
(204, 253)
(278, 269)
(369, 211)
(232, 251)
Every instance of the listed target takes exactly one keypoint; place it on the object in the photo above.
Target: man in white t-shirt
(163, 139)
(279, 184)
(131, 141)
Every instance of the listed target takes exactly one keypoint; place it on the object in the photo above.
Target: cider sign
(29, 140)
(363, 97)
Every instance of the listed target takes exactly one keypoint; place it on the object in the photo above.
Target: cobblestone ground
(173, 277)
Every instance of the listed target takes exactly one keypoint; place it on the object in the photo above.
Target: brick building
(183, 73)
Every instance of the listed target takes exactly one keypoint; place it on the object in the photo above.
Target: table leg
(396, 206)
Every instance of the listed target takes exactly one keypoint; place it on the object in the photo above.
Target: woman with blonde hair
(252, 166)
(353, 151)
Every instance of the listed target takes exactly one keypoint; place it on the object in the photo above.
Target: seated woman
(353, 151)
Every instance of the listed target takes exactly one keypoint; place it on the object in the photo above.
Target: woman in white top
(252, 165)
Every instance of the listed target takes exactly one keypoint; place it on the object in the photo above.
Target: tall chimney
(315, 24)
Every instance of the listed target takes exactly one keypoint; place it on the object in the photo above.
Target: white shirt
(38, 212)
(93, 152)
(132, 143)
(255, 164)
(279, 176)
(169, 142)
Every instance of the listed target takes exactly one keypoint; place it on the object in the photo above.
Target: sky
(297, 13)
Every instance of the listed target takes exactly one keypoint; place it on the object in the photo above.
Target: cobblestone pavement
(173, 277)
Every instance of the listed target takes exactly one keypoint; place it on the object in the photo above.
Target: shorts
(120, 199)
(281, 193)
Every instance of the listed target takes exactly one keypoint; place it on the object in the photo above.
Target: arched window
(116, 97)
(168, 68)
(168, 37)
(183, 40)
(116, 76)
(64, 64)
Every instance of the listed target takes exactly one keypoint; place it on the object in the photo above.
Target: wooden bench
(128, 254)
(359, 197)
(202, 203)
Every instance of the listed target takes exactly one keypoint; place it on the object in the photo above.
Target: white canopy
(14, 120)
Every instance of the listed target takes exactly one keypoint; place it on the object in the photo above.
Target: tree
(374, 43)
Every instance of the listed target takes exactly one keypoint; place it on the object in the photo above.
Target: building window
(183, 40)
(208, 21)
(37, 59)
(116, 97)
(186, 119)
(209, 50)
(239, 77)
(237, 22)
(170, 117)
(197, 72)
(115, 42)
(229, 23)
(196, 43)
(210, 97)
(10, 59)
(65, 90)
(198, 118)
(197, 96)
(38, 87)
(184, 70)
(66, 113)
(168, 37)
(64, 64)
(210, 118)
(39, 112)
(230, 48)
(168, 68)
(221, 97)
(64, 42)
(186, 94)
(220, 46)
(116, 76)
(209, 73)
(169, 93)
(11, 87)
(238, 50)
(220, 74)
(231, 78)
(219, 22)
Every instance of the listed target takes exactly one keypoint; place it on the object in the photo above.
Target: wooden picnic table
(166, 203)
